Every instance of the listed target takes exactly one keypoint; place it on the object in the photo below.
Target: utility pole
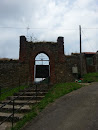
(80, 51)
(80, 37)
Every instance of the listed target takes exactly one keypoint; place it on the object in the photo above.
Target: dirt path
(75, 111)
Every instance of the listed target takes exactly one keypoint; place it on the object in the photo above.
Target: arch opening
(42, 68)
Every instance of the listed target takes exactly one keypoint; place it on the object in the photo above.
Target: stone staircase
(23, 103)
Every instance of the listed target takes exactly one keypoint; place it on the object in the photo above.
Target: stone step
(26, 97)
(9, 108)
(30, 93)
(34, 90)
(6, 125)
(21, 102)
(24, 101)
(3, 116)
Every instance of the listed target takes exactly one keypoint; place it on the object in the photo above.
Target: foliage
(90, 77)
(10, 92)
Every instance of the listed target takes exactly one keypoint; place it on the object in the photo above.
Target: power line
(64, 29)
(43, 28)
(87, 40)
(33, 28)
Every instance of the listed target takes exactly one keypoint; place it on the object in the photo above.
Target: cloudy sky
(45, 20)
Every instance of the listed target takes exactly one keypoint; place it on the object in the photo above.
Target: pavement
(77, 110)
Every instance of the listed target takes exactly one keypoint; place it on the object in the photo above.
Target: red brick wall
(55, 52)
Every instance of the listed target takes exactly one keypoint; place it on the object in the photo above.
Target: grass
(10, 92)
(56, 92)
(90, 77)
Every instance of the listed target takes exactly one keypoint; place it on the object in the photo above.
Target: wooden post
(80, 51)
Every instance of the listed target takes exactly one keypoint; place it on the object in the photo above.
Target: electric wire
(87, 40)
(5, 27)
(64, 29)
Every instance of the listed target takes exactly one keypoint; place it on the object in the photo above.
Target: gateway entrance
(41, 68)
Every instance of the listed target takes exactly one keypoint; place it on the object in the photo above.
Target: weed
(10, 92)
(90, 77)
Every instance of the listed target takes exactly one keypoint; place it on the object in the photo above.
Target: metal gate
(41, 68)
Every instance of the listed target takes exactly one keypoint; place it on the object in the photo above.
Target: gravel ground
(77, 110)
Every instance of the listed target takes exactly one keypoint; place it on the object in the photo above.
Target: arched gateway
(55, 52)
(42, 68)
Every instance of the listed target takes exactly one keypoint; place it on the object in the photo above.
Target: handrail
(13, 99)
(8, 89)
(35, 95)
(13, 106)
(6, 119)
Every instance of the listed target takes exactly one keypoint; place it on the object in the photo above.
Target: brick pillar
(60, 42)
(22, 52)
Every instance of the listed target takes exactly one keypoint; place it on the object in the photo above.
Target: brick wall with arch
(55, 52)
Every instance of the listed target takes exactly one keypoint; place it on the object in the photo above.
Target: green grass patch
(54, 93)
(90, 77)
(10, 91)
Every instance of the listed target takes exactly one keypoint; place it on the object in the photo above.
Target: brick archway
(52, 63)
(54, 50)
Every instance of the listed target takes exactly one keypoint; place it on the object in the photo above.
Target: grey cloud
(16, 10)
(55, 15)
